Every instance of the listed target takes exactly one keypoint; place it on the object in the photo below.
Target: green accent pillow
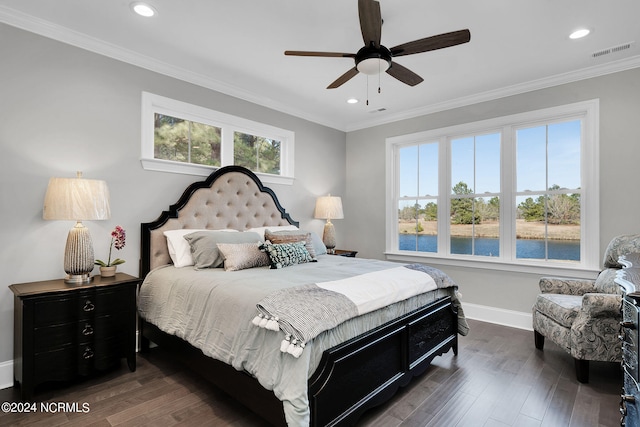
(285, 254)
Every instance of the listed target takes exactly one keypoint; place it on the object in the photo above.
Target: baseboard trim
(500, 316)
(6, 374)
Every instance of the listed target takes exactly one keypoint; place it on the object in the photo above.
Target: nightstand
(345, 253)
(62, 331)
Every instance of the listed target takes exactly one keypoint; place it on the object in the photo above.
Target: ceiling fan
(375, 58)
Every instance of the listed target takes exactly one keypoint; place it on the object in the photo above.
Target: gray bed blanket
(303, 312)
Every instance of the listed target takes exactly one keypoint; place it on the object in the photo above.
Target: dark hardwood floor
(497, 379)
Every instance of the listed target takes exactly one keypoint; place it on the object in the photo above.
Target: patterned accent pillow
(239, 256)
(291, 236)
(285, 254)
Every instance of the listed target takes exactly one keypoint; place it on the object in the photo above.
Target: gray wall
(64, 109)
(619, 96)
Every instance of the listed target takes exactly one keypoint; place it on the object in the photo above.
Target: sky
(539, 165)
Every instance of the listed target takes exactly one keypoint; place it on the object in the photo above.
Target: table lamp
(329, 207)
(77, 199)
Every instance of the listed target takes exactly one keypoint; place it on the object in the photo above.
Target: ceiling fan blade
(343, 78)
(404, 74)
(432, 43)
(323, 54)
(370, 22)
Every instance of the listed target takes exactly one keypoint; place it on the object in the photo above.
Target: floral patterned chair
(582, 316)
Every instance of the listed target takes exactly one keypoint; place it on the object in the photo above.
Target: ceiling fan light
(373, 66)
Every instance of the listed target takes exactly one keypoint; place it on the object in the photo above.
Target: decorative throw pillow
(238, 256)
(291, 236)
(261, 230)
(286, 254)
(318, 244)
(179, 249)
(204, 246)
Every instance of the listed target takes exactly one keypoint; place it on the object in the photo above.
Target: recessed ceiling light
(352, 101)
(578, 34)
(143, 9)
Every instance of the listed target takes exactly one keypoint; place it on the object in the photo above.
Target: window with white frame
(520, 189)
(184, 138)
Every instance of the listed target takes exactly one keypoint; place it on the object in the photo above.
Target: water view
(525, 248)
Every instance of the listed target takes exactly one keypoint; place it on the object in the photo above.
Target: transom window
(184, 138)
(519, 189)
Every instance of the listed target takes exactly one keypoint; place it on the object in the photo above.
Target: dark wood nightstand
(345, 253)
(62, 330)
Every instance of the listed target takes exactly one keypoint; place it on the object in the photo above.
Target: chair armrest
(602, 305)
(566, 286)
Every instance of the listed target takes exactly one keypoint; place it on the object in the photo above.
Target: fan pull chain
(379, 71)
(367, 89)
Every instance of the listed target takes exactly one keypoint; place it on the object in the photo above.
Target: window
(184, 138)
(520, 189)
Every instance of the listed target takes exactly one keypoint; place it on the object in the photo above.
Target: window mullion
(444, 196)
(226, 148)
(508, 210)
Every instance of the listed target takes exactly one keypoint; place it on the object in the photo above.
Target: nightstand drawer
(58, 336)
(55, 310)
(64, 363)
(114, 301)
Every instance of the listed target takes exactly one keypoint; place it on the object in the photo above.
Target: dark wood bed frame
(352, 377)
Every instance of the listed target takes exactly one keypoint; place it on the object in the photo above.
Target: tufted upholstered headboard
(231, 197)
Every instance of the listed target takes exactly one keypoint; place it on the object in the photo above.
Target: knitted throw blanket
(303, 312)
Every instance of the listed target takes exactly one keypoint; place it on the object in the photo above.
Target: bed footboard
(368, 370)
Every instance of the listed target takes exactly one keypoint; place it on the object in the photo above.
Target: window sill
(201, 170)
(531, 267)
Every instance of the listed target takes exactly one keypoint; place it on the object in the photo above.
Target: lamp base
(329, 236)
(78, 279)
(78, 255)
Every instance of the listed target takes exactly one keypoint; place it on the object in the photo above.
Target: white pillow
(261, 230)
(179, 249)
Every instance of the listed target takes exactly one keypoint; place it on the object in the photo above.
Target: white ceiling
(236, 47)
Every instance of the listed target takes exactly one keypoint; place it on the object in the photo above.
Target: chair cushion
(605, 282)
(561, 308)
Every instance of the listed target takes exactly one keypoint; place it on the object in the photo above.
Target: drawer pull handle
(628, 324)
(88, 330)
(88, 306)
(88, 353)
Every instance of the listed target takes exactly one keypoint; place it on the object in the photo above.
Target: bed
(331, 378)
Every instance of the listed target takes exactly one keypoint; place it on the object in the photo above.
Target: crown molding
(83, 41)
(65, 35)
(556, 80)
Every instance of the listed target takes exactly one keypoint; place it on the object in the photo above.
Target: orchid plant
(118, 237)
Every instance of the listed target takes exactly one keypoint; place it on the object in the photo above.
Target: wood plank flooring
(498, 379)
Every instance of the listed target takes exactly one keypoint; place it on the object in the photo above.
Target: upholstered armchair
(582, 316)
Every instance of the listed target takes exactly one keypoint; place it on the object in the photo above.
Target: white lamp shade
(328, 207)
(76, 199)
